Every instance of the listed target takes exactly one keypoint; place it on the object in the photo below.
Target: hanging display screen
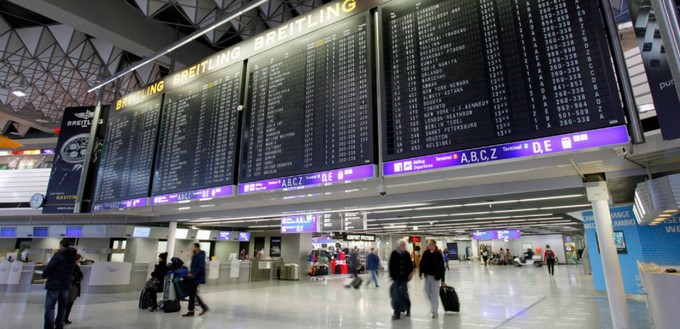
(309, 104)
(198, 136)
(461, 74)
(127, 155)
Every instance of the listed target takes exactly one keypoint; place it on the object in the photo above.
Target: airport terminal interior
(339, 164)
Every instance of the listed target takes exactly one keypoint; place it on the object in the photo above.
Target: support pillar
(172, 238)
(598, 195)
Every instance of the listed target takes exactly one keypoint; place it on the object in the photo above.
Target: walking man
(432, 266)
(196, 276)
(59, 275)
(372, 264)
(401, 272)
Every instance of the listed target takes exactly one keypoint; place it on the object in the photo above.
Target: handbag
(73, 294)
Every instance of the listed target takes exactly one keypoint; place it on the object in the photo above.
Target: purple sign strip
(542, 146)
(208, 193)
(309, 180)
(300, 224)
(133, 203)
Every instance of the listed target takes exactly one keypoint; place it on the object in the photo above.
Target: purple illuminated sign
(509, 234)
(485, 235)
(40, 232)
(244, 236)
(300, 224)
(496, 235)
(134, 203)
(74, 231)
(225, 236)
(208, 193)
(48, 151)
(7, 232)
(542, 146)
(308, 180)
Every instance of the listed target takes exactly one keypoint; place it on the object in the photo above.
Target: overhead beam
(120, 24)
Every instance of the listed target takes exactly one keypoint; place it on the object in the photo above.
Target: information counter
(107, 277)
(663, 294)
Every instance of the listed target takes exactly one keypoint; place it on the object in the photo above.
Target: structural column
(172, 238)
(598, 195)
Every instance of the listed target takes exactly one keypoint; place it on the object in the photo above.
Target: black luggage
(449, 299)
(147, 299)
(356, 283)
(171, 306)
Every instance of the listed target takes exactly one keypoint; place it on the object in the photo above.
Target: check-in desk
(107, 277)
(228, 272)
(16, 276)
(662, 294)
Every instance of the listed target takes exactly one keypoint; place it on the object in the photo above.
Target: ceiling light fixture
(183, 208)
(587, 205)
(490, 203)
(438, 207)
(570, 196)
(514, 210)
(19, 93)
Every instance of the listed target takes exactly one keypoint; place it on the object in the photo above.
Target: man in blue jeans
(59, 275)
(401, 272)
(372, 264)
(196, 276)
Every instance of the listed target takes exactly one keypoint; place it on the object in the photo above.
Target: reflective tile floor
(491, 297)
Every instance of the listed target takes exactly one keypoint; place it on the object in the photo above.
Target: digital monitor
(40, 232)
(203, 235)
(224, 236)
(141, 232)
(74, 231)
(181, 233)
(8, 232)
(244, 236)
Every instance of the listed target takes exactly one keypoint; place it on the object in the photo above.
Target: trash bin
(292, 272)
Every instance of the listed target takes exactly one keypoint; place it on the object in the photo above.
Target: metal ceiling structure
(53, 51)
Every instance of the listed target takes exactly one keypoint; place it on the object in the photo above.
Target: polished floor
(491, 297)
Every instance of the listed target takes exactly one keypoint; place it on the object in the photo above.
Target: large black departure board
(128, 152)
(466, 73)
(199, 134)
(310, 104)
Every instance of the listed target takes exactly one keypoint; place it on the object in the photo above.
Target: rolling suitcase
(356, 283)
(449, 299)
(147, 299)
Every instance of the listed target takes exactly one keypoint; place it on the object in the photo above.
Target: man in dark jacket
(432, 266)
(401, 272)
(372, 264)
(196, 276)
(354, 262)
(59, 275)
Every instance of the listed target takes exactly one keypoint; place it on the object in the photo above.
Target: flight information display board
(310, 105)
(127, 156)
(199, 135)
(468, 73)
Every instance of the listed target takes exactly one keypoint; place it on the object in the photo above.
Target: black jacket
(59, 271)
(198, 266)
(432, 264)
(77, 278)
(159, 272)
(400, 266)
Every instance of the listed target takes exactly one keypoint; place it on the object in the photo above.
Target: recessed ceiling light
(184, 201)
(552, 198)
(569, 206)
(42, 120)
(514, 210)
(439, 207)
(19, 93)
(490, 203)
(183, 208)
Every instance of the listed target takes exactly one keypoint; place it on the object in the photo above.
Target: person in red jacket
(549, 259)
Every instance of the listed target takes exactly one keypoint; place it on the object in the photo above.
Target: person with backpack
(549, 259)
(195, 277)
(432, 266)
(74, 291)
(59, 275)
(401, 272)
